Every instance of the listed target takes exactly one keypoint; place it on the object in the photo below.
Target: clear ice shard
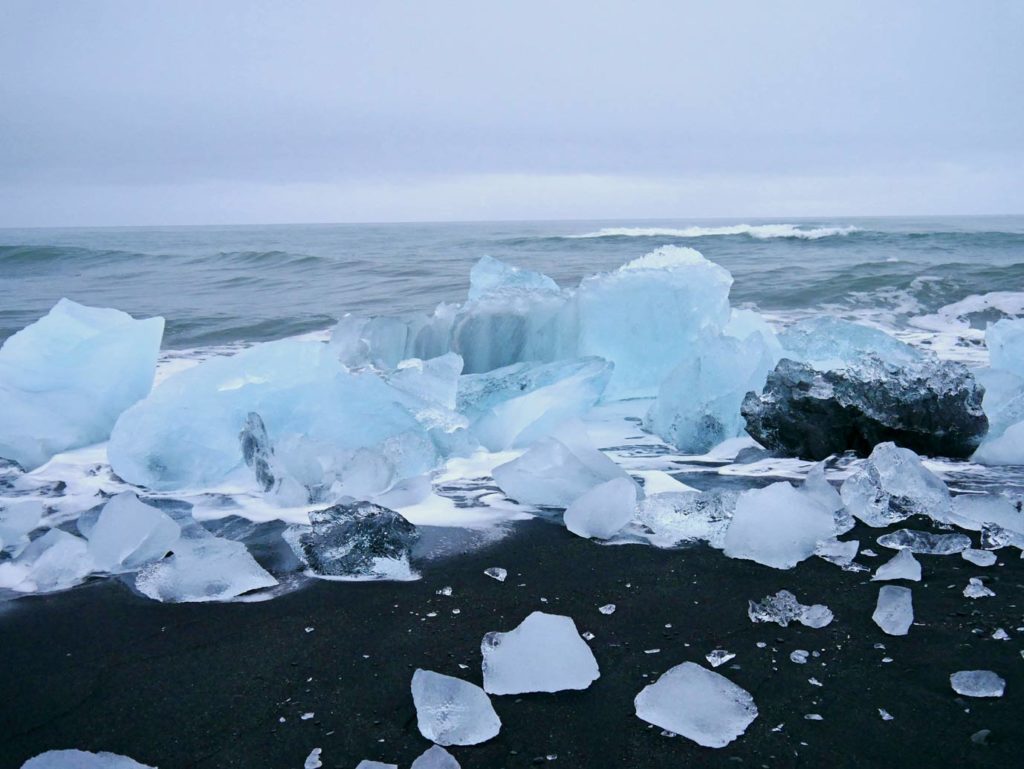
(450, 711)
(698, 704)
(557, 470)
(892, 485)
(81, 759)
(979, 557)
(203, 568)
(976, 589)
(783, 608)
(894, 612)
(903, 565)
(55, 561)
(778, 526)
(435, 757)
(718, 657)
(925, 542)
(313, 759)
(977, 683)
(545, 653)
(496, 572)
(830, 343)
(66, 378)
(675, 518)
(129, 534)
(602, 511)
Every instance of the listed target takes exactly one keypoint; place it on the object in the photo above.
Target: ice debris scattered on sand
(893, 485)
(435, 757)
(603, 510)
(799, 656)
(545, 653)
(977, 683)
(55, 561)
(675, 518)
(717, 657)
(903, 565)
(976, 589)
(450, 711)
(698, 704)
(608, 608)
(783, 608)
(81, 759)
(894, 612)
(925, 542)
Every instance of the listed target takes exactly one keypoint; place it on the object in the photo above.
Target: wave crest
(757, 231)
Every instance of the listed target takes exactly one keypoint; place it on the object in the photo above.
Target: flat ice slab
(698, 704)
(450, 711)
(544, 654)
(894, 612)
(977, 683)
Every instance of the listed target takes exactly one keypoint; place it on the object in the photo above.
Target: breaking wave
(756, 231)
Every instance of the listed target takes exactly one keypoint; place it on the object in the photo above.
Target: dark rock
(346, 539)
(257, 451)
(932, 407)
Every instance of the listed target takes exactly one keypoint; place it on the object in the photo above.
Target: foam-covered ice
(603, 510)
(903, 565)
(545, 653)
(698, 704)
(894, 611)
(66, 378)
(128, 534)
(82, 759)
(450, 711)
(892, 485)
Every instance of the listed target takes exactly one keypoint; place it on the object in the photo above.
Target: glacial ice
(783, 608)
(17, 519)
(313, 759)
(203, 568)
(81, 759)
(603, 510)
(435, 757)
(976, 589)
(977, 683)
(894, 612)
(66, 378)
(1007, 449)
(839, 552)
(979, 557)
(830, 343)
(892, 485)
(545, 653)
(433, 382)
(675, 518)
(1005, 342)
(128, 534)
(497, 573)
(903, 565)
(778, 526)
(698, 704)
(450, 711)
(55, 561)
(994, 537)
(367, 764)
(557, 470)
(925, 542)
(718, 657)
(973, 511)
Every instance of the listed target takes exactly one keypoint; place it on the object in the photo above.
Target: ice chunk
(431, 382)
(1007, 449)
(358, 539)
(778, 526)
(979, 557)
(1003, 401)
(604, 510)
(81, 759)
(892, 485)
(646, 316)
(489, 275)
(839, 552)
(518, 404)
(364, 764)
(55, 561)
(718, 657)
(543, 654)
(450, 711)
(698, 404)
(976, 589)
(698, 704)
(973, 511)
(496, 572)
(557, 470)
(894, 612)
(1005, 342)
(830, 343)
(783, 608)
(379, 342)
(334, 431)
(977, 683)
(608, 608)
(677, 518)
(994, 537)
(66, 378)
(435, 757)
(925, 542)
(799, 656)
(17, 519)
(128, 534)
(313, 759)
(203, 568)
(903, 565)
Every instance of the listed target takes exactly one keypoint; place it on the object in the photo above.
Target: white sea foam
(757, 231)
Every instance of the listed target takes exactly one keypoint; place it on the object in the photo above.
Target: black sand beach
(98, 668)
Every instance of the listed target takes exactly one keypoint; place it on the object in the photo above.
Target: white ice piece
(925, 542)
(783, 608)
(435, 757)
(450, 711)
(903, 565)
(18, 517)
(128, 534)
(894, 612)
(496, 572)
(978, 557)
(977, 683)
(892, 485)
(313, 759)
(55, 561)
(603, 510)
(976, 589)
(81, 759)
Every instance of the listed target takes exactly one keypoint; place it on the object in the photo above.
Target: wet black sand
(99, 668)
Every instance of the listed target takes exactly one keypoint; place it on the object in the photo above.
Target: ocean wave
(756, 231)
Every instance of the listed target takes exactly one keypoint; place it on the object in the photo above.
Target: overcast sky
(243, 112)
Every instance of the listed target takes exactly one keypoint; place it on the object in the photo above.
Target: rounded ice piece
(698, 704)
(977, 683)
(450, 711)
(604, 510)
(978, 557)
(544, 654)
(81, 759)
(435, 757)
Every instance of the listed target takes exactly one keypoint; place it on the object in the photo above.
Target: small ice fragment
(813, 717)
(886, 660)
(496, 572)
(977, 683)
(435, 757)
(543, 654)
(310, 629)
(587, 635)
(608, 608)
(903, 565)
(450, 711)
(81, 759)
(976, 589)
(979, 557)
(925, 542)
(799, 656)
(719, 657)
(1000, 635)
(306, 716)
(869, 552)
(313, 759)
(783, 608)
(886, 716)
(814, 682)
(698, 704)
(446, 590)
(760, 644)
(652, 651)
(894, 612)
(364, 764)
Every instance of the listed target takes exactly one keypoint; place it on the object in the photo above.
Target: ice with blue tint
(604, 510)
(893, 485)
(1004, 395)
(55, 561)
(433, 382)
(648, 315)
(81, 759)
(66, 378)
(1003, 401)
(450, 711)
(128, 534)
(1007, 449)
(515, 405)
(435, 757)
(330, 427)
(894, 611)
(830, 343)
(1005, 343)
(698, 404)
(557, 470)
(490, 276)
(973, 511)
(18, 517)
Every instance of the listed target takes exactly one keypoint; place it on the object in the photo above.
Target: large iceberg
(65, 379)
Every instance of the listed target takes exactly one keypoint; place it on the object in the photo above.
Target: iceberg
(894, 612)
(604, 510)
(903, 565)
(435, 757)
(450, 711)
(81, 759)
(698, 704)
(66, 378)
(977, 683)
(128, 534)
(893, 485)
(545, 653)
(55, 561)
